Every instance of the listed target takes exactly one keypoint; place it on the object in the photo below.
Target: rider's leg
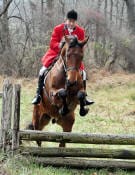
(87, 102)
(37, 98)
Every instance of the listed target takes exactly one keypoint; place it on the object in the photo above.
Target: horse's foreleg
(64, 110)
(61, 94)
(81, 97)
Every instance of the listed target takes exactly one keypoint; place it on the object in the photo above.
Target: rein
(66, 69)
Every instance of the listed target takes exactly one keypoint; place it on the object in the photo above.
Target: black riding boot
(87, 102)
(37, 98)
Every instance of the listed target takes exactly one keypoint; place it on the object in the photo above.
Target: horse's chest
(58, 81)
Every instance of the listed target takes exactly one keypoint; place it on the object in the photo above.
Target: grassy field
(113, 112)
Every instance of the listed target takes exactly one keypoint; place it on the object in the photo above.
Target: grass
(113, 112)
(24, 167)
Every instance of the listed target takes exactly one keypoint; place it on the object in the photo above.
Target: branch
(17, 17)
(6, 7)
(16, 6)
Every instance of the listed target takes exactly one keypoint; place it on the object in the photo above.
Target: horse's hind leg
(44, 120)
(35, 119)
(67, 123)
(39, 120)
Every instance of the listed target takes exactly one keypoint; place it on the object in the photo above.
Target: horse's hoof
(20, 142)
(62, 93)
(39, 143)
(30, 127)
(62, 144)
(81, 95)
(63, 111)
(84, 112)
(53, 121)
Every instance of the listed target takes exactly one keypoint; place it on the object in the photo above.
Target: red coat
(56, 37)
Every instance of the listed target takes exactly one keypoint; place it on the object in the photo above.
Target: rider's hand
(62, 42)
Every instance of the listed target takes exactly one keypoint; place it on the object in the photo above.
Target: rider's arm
(81, 35)
(55, 40)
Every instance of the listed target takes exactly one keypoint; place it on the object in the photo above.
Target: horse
(63, 90)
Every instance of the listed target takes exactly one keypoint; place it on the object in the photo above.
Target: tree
(5, 42)
(131, 14)
(5, 45)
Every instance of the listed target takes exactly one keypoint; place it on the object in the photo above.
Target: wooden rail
(83, 163)
(87, 138)
(78, 152)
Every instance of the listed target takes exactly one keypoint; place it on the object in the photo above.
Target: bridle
(70, 68)
(67, 68)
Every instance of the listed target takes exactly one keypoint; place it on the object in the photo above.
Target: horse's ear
(82, 43)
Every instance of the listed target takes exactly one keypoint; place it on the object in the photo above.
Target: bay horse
(63, 90)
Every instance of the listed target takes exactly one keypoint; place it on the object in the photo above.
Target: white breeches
(42, 70)
(84, 75)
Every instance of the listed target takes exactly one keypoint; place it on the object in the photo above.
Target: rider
(70, 27)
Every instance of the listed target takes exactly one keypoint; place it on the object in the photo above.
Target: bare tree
(131, 14)
(5, 44)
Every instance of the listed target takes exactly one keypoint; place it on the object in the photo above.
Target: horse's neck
(56, 76)
(61, 59)
(61, 63)
(58, 67)
(63, 51)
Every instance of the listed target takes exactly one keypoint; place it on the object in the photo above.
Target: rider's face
(71, 23)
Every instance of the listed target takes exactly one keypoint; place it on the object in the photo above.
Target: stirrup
(36, 100)
(88, 102)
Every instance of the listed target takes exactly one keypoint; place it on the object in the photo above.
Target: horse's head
(73, 54)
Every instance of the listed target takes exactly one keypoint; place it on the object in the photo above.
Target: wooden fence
(11, 135)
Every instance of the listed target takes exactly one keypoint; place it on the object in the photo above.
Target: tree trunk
(5, 29)
(97, 36)
(131, 14)
(50, 6)
(5, 46)
(121, 15)
(111, 10)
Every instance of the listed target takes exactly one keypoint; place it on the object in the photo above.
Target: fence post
(16, 117)
(1, 94)
(6, 114)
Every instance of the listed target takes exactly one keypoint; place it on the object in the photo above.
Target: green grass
(25, 167)
(111, 113)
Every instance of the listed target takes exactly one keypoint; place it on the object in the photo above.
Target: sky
(0, 2)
